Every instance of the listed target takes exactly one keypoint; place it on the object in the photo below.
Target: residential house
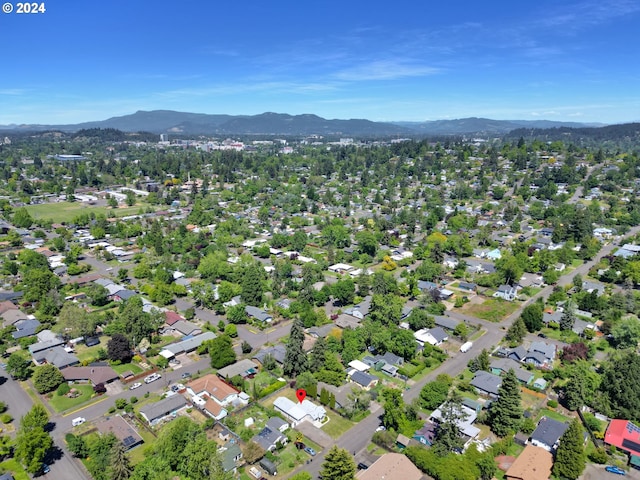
(534, 463)
(548, 350)
(486, 383)
(230, 454)
(464, 423)
(258, 314)
(363, 379)
(158, 411)
(296, 413)
(506, 292)
(624, 435)
(90, 374)
(427, 434)
(122, 430)
(434, 336)
(25, 328)
(321, 332)
(391, 466)
(501, 366)
(590, 287)
(12, 316)
(278, 353)
(468, 287)
(272, 434)
(340, 393)
(447, 323)
(186, 328)
(547, 434)
(360, 310)
(187, 345)
(244, 368)
(212, 394)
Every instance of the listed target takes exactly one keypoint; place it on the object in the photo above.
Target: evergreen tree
(506, 411)
(516, 332)
(295, 360)
(338, 465)
(570, 457)
(251, 284)
(568, 318)
(448, 438)
(119, 464)
(318, 355)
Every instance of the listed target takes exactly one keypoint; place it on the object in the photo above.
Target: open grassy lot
(492, 309)
(336, 425)
(126, 367)
(545, 412)
(14, 468)
(62, 403)
(65, 212)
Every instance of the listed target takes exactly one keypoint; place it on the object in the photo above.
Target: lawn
(336, 425)
(62, 403)
(553, 415)
(66, 212)
(138, 454)
(127, 367)
(14, 468)
(88, 353)
(492, 309)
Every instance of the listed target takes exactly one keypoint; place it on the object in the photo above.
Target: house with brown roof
(534, 463)
(213, 394)
(122, 430)
(95, 375)
(391, 466)
(6, 306)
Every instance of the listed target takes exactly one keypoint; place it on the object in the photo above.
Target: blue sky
(415, 60)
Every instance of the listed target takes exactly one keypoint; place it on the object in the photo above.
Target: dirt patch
(505, 462)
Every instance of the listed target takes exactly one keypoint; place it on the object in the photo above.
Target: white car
(380, 428)
(152, 378)
(135, 385)
(78, 421)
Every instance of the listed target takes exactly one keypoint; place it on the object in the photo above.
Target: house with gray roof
(230, 454)
(272, 434)
(547, 434)
(258, 314)
(25, 328)
(56, 356)
(156, 412)
(244, 368)
(546, 349)
(364, 380)
(187, 345)
(486, 383)
(447, 323)
(503, 365)
(506, 292)
(278, 353)
(590, 287)
(322, 331)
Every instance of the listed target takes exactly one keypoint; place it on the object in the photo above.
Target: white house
(506, 292)
(296, 413)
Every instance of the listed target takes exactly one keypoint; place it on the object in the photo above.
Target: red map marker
(301, 393)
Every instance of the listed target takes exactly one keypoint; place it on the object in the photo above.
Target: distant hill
(482, 126)
(626, 135)
(184, 123)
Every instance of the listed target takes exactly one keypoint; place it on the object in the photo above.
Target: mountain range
(184, 123)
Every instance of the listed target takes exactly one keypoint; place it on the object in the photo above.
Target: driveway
(597, 472)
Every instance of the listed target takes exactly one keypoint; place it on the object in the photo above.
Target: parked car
(310, 451)
(362, 466)
(135, 385)
(185, 375)
(45, 468)
(614, 469)
(175, 388)
(78, 421)
(542, 335)
(380, 428)
(152, 378)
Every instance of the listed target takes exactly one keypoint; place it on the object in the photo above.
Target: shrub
(552, 403)
(3, 407)
(599, 455)
(121, 403)
(63, 389)
(133, 400)
(111, 410)
(272, 388)
(6, 418)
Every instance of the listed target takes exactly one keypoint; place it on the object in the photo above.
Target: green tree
(46, 378)
(221, 351)
(77, 445)
(173, 440)
(295, 360)
(119, 464)
(626, 333)
(344, 290)
(22, 218)
(200, 458)
(318, 355)
(506, 411)
(568, 318)
(119, 348)
(570, 457)
(251, 284)
(338, 465)
(532, 317)
(620, 389)
(385, 309)
(516, 332)
(19, 366)
(434, 393)
(32, 446)
(35, 418)
(394, 413)
(448, 438)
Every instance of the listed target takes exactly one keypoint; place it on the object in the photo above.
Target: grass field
(125, 367)
(336, 425)
(553, 415)
(492, 309)
(14, 468)
(65, 212)
(62, 403)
